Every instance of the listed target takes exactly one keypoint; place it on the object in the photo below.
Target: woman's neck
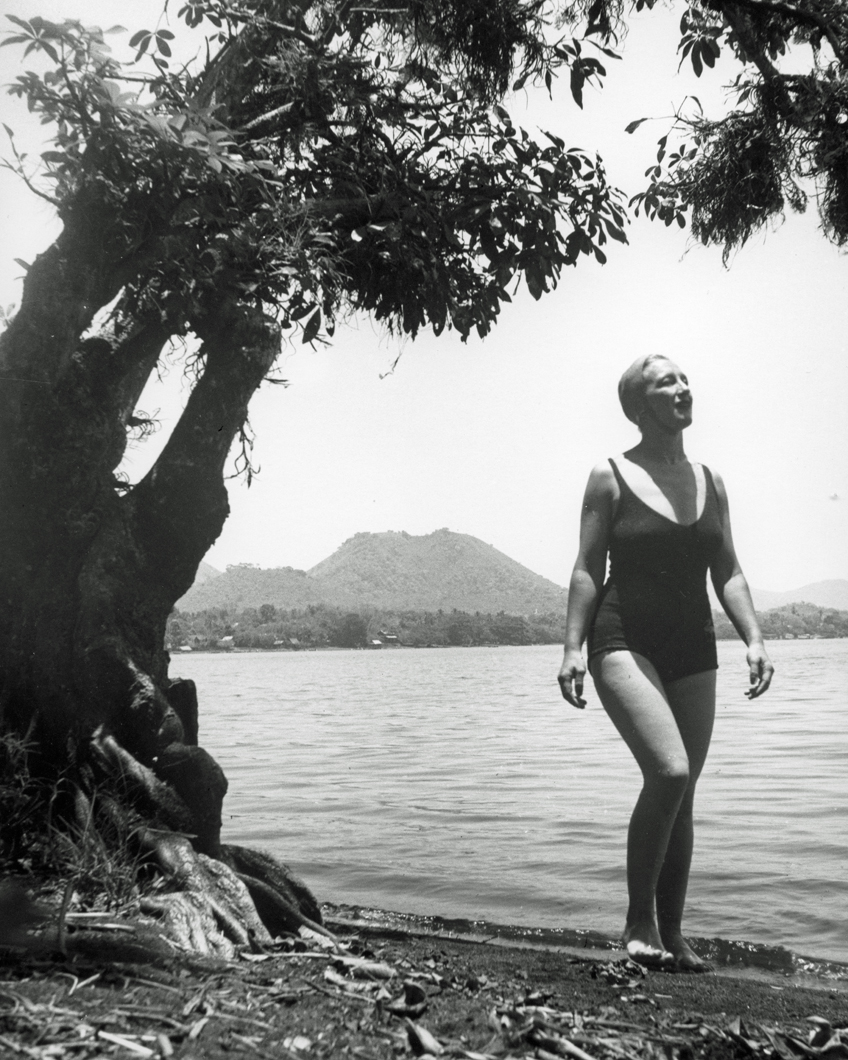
(660, 446)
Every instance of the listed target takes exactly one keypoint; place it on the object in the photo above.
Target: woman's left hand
(761, 670)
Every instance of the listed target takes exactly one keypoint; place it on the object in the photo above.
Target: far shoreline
(175, 653)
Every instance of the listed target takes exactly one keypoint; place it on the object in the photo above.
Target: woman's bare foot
(645, 947)
(685, 957)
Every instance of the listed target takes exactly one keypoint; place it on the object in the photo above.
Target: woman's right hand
(570, 678)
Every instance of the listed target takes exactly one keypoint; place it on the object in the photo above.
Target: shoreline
(734, 958)
(386, 994)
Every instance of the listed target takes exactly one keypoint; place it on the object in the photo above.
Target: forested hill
(436, 571)
(831, 594)
(439, 571)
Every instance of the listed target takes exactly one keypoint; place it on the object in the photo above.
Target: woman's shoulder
(603, 472)
(711, 473)
(713, 476)
(602, 481)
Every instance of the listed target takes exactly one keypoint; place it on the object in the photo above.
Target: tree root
(276, 912)
(284, 901)
(217, 897)
(153, 798)
(212, 911)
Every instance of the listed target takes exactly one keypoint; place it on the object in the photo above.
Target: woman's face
(666, 394)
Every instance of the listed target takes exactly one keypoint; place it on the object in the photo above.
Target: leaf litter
(304, 999)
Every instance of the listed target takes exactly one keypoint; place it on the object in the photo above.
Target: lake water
(456, 783)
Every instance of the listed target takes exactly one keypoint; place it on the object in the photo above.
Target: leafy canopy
(784, 135)
(325, 157)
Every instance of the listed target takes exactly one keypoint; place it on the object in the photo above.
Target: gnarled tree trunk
(90, 570)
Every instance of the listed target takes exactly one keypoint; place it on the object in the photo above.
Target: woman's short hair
(632, 384)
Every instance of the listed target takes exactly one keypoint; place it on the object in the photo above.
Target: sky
(496, 438)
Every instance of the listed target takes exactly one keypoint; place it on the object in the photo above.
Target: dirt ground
(385, 994)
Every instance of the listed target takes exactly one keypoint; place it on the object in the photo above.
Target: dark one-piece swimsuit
(655, 599)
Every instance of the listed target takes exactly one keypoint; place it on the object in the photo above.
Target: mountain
(393, 570)
(443, 570)
(832, 593)
(205, 573)
(439, 570)
(245, 585)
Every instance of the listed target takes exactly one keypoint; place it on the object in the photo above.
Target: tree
(785, 133)
(326, 158)
(351, 631)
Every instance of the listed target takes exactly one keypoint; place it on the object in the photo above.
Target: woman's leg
(692, 702)
(634, 698)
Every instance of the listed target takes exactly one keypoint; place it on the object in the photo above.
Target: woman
(664, 522)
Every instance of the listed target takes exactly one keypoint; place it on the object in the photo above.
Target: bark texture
(90, 570)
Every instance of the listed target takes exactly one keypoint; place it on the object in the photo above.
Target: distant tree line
(322, 626)
(792, 620)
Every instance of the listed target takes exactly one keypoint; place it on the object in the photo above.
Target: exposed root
(274, 909)
(189, 924)
(217, 897)
(212, 912)
(152, 796)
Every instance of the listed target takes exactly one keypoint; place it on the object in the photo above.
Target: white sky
(496, 438)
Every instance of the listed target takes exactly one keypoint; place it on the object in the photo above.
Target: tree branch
(737, 23)
(334, 26)
(117, 364)
(149, 542)
(63, 289)
(19, 172)
(179, 507)
(802, 16)
(233, 54)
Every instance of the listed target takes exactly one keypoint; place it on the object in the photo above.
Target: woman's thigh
(692, 702)
(638, 705)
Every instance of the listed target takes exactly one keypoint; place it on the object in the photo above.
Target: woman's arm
(735, 597)
(587, 578)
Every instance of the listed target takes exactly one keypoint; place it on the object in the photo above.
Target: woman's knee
(670, 777)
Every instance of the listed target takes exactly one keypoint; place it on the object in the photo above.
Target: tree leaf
(312, 326)
(45, 47)
(634, 125)
(577, 85)
(697, 65)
